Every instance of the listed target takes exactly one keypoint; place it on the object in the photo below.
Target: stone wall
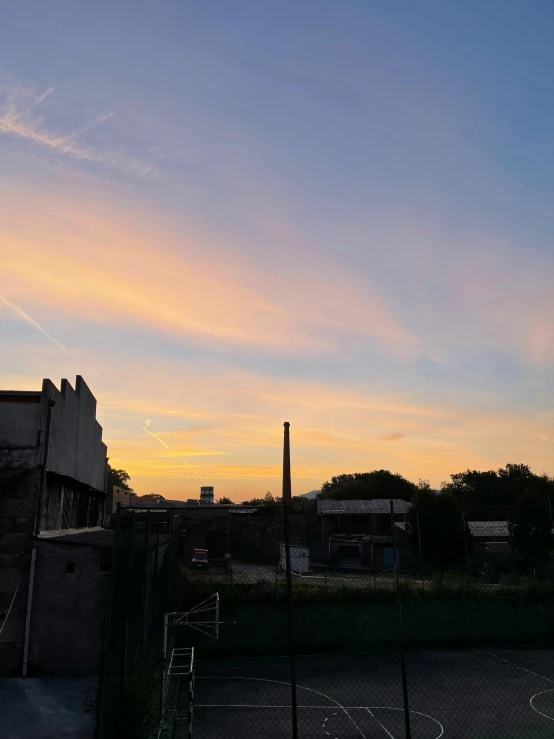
(69, 608)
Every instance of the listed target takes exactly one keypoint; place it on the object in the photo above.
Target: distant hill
(311, 495)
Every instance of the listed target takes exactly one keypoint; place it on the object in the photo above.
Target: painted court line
(550, 718)
(251, 706)
(514, 664)
(281, 682)
(380, 724)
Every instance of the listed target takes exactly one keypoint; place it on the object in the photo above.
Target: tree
(267, 500)
(486, 495)
(225, 501)
(438, 519)
(368, 486)
(153, 496)
(119, 478)
(531, 527)
(474, 489)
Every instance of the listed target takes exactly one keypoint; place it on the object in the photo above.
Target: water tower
(207, 495)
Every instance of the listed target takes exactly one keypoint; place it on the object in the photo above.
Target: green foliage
(531, 527)
(119, 478)
(445, 537)
(368, 486)
(139, 712)
(248, 551)
(490, 492)
(303, 504)
(514, 585)
(225, 501)
(267, 500)
(448, 585)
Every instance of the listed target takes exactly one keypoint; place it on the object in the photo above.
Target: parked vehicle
(200, 559)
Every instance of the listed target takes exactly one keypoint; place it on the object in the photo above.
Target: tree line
(438, 519)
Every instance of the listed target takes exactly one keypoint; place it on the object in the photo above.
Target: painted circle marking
(531, 703)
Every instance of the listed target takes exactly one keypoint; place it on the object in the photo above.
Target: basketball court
(454, 694)
(481, 693)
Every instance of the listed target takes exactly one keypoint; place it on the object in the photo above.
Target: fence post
(400, 629)
(287, 498)
(327, 549)
(99, 723)
(154, 585)
(227, 561)
(468, 562)
(511, 541)
(127, 602)
(144, 585)
(420, 552)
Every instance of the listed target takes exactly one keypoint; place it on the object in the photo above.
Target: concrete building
(123, 496)
(206, 495)
(357, 533)
(70, 599)
(52, 479)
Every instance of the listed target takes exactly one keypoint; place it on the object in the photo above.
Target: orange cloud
(106, 267)
(334, 429)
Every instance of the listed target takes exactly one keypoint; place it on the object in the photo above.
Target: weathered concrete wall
(117, 495)
(76, 447)
(19, 485)
(76, 453)
(69, 609)
(20, 416)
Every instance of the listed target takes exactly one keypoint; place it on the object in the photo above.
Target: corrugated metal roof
(379, 505)
(495, 529)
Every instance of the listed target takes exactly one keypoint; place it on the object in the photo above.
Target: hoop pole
(287, 500)
(400, 628)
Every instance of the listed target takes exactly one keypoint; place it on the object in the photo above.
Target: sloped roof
(97, 537)
(495, 529)
(379, 505)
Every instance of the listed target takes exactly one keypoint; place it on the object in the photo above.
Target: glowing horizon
(354, 236)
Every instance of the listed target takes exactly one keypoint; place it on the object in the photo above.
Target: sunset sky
(230, 214)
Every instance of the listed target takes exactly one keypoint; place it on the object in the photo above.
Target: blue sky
(235, 214)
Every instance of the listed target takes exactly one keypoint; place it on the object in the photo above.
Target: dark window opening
(70, 568)
(104, 566)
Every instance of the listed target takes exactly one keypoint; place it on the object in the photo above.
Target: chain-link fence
(394, 634)
(399, 623)
(145, 557)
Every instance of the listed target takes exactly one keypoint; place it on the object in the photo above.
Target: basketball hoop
(204, 618)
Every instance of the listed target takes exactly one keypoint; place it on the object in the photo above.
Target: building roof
(96, 537)
(489, 529)
(379, 505)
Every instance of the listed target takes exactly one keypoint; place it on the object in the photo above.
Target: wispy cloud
(20, 119)
(392, 437)
(163, 443)
(26, 317)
